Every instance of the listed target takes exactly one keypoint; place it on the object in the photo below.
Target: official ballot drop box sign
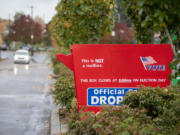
(105, 73)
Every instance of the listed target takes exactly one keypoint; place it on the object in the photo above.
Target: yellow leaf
(111, 6)
(0, 40)
(166, 90)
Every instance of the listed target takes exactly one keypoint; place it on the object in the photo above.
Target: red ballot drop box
(104, 73)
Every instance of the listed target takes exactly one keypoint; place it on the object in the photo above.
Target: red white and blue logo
(149, 64)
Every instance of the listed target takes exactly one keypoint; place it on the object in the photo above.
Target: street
(25, 100)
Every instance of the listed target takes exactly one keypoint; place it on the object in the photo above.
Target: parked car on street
(25, 47)
(3, 47)
(22, 56)
(28, 48)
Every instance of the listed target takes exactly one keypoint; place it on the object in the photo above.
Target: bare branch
(170, 40)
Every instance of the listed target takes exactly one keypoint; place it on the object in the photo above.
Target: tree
(82, 22)
(21, 30)
(18, 15)
(121, 14)
(46, 37)
(39, 20)
(155, 16)
(0, 39)
(3, 26)
(123, 35)
(45, 34)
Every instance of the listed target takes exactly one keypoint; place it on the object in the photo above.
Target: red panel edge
(66, 60)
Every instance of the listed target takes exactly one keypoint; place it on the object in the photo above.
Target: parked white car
(22, 56)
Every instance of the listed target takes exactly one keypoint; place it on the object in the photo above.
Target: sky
(43, 8)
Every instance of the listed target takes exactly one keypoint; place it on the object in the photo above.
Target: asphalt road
(25, 100)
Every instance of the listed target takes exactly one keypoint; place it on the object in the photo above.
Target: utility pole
(119, 18)
(9, 19)
(44, 18)
(32, 25)
(32, 29)
(0, 45)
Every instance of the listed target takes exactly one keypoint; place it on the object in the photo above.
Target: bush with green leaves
(149, 16)
(169, 121)
(175, 66)
(82, 21)
(162, 105)
(112, 121)
(149, 111)
(64, 91)
(57, 66)
(152, 99)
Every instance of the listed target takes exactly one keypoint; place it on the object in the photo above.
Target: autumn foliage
(123, 35)
(21, 30)
(82, 21)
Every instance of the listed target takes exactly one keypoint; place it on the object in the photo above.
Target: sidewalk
(3, 58)
(57, 127)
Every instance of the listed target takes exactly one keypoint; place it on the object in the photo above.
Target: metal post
(0, 54)
(32, 26)
(113, 35)
(119, 18)
(32, 29)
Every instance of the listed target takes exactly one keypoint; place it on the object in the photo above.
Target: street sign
(105, 73)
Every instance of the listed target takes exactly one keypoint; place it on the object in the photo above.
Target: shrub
(162, 104)
(149, 111)
(152, 99)
(169, 121)
(81, 123)
(57, 66)
(64, 91)
(112, 121)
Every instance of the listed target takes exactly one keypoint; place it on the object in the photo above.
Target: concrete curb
(2, 59)
(57, 128)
